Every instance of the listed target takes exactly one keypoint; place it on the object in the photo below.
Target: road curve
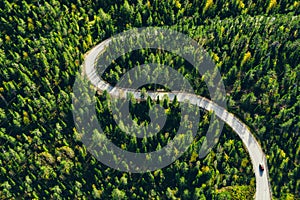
(263, 189)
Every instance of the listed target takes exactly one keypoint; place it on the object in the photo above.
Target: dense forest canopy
(255, 44)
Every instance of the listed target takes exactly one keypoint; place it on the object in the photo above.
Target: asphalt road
(263, 189)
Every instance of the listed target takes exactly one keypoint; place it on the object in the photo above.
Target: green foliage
(255, 45)
(235, 193)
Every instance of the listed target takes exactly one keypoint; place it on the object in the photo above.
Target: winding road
(263, 189)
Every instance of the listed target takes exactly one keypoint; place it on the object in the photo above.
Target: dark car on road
(261, 167)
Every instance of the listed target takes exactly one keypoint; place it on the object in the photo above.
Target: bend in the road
(263, 190)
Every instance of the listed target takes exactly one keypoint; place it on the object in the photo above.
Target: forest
(255, 45)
